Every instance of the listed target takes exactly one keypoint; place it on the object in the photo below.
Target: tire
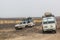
(26, 26)
(54, 31)
(18, 28)
(30, 26)
(43, 31)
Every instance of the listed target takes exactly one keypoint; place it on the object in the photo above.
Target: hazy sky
(26, 8)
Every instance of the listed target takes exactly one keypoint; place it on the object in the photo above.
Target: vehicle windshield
(45, 21)
(48, 20)
(51, 21)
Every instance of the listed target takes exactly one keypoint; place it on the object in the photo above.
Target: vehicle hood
(17, 25)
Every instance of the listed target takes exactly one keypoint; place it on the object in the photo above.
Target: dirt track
(34, 33)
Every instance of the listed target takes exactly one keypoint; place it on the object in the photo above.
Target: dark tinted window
(28, 21)
(51, 21)
(24, 22)
(44, 22)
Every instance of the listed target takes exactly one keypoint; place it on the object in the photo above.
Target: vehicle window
(51, 21)
(48, 20)
(44, 22)
(28, 21)
(24, 22)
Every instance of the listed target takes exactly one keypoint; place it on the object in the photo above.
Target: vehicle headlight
(51, 26)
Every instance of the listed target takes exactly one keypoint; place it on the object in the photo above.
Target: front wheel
(43, 31)
(26, 26)
(18, 28)
(30, 26)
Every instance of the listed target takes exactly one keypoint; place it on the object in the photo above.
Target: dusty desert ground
(34, 33)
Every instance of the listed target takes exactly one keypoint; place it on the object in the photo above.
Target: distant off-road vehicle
(26, 23)
(49, 22)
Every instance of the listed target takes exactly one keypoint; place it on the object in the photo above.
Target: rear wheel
(54, 31)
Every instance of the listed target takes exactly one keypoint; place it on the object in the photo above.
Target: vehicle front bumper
(48, 29)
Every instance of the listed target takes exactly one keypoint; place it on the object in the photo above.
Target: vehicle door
(24, 24)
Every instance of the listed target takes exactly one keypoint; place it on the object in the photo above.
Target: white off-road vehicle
(24, 24)
(49, 23)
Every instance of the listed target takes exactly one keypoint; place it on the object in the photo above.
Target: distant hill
(38, 18)
(19, 18)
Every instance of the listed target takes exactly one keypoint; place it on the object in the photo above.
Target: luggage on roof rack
(48, 14)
